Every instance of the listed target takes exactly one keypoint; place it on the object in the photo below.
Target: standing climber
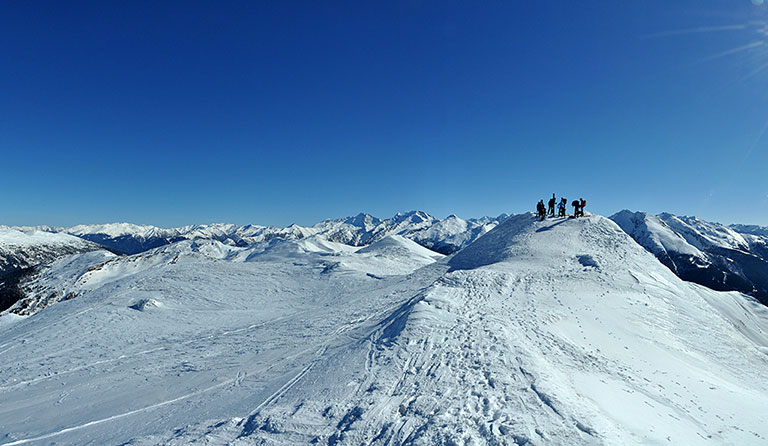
(582, 203)
(551, 208)
(561, 207)
(541, 210)
(575, 204)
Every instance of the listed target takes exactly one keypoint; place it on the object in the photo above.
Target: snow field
(547, 333)
(221, 339)
(563, 332)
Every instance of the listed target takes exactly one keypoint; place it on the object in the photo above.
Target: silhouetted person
(575, 204)
(551, 209)
(582, 204)
(561, 207)
(541, 210)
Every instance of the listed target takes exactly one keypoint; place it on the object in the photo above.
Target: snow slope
(453, 233)
(557, 332)
(71, 276)
(704, 234)
(750, 229)
(655, 235)
(756, 237)
(186, 333)
(543, 333)
(22, 249)
(709, 254)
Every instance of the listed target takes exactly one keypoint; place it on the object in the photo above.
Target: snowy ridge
(453, 233)
(709, 254)
(21, 249)
(544, 333)
(73, 275)
(750, 229)
(561, 332)
(756, 237)
(704, 234)
(61, 280)
(654, 234)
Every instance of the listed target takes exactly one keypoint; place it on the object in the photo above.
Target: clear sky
(280, 112)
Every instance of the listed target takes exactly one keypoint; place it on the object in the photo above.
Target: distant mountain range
(724, 258)
(442, 235)
(22, 248)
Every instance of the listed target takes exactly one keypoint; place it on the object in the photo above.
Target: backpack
(575, 203)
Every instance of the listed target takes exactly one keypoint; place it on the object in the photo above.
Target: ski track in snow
(181, 349)
(119, 416)
(561, 332)
(60, 373)
(232, 382)
(49, 325)
(512, 356)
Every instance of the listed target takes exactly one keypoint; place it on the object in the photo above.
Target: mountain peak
(523, 238)
(362, 220)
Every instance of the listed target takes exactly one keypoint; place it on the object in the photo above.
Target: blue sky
(172, 113)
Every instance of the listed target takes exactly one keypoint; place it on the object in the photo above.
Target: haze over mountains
(565, 331)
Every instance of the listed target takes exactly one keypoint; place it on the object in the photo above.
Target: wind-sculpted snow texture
(563, 332)
(720, 257)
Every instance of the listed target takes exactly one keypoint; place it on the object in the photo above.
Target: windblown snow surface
(563, 332)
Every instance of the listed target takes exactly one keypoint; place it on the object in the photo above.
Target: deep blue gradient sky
(279, 112)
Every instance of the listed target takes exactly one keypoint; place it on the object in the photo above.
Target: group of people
(543, 211)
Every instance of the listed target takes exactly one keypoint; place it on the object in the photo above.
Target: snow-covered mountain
(562, 332)
(132, 239)
(755, 236)
(445, 236)
(22, 250)
(71, 276)
(720, 257)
